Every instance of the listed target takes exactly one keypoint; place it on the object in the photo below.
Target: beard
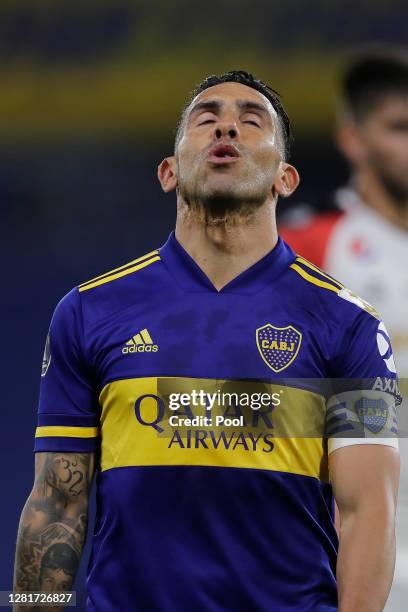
(396, 189)
(218, 203)
(396, 186)
(218, 209)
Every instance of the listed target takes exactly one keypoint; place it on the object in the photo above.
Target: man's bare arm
(53, 523)
(365, 483)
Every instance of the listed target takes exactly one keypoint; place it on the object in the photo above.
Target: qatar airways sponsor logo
(230, 421)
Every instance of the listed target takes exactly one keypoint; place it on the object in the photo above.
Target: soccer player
(197, 379)
(366, 235)
(364, 239)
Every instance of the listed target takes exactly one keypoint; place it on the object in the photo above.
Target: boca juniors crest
(278, 346)
(373, 413)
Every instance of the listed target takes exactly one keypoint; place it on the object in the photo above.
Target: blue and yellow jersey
(207, 413)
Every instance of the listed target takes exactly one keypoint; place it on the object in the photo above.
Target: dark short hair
(244, 78)
(370, 77)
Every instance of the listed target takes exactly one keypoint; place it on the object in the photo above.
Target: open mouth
(223, 154)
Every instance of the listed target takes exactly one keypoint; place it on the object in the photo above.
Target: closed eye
(252, 123)
(207, 121)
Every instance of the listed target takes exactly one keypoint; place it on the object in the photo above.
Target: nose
(226, 129)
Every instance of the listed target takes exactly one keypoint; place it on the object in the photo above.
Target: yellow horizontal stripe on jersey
(66, 432)
(113, 277)
(313, 267)
(136, 431)
(313, 279)
(127, 265)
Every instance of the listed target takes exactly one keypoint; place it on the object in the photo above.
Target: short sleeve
(363, 406)
(68, 413)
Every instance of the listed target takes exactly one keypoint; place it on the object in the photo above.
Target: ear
(349, 142)
(167, 174)
(286, 181)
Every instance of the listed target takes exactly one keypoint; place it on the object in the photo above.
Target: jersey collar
(190, 277)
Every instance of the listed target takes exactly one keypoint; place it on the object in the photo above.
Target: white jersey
(371, 256)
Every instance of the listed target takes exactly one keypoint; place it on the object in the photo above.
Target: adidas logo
(140, 343)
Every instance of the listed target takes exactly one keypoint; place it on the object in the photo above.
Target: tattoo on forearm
(53, 523)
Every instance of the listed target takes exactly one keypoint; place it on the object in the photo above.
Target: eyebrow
(251, 105)
(206, 105)
(216, 105)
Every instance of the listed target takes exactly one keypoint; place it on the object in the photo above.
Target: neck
(225, 246)
(374, 194)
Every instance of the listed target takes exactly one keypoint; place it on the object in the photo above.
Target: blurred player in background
(363, 239)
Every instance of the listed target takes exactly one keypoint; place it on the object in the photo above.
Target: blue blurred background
(90, 96)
